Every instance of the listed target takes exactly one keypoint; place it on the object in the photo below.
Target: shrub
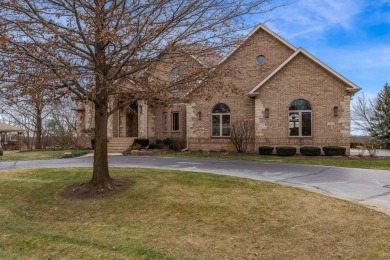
(178, 144)
(265, 150)
(310, 150)
(361, 150)
(126, 152)
(1, 151)
(167, 141)
(156, 145)
(286, 150)
(159, 143)
(242, 133)
(152, 146)
(372, 146)
(334, 150)
(143, 142)
(135, 147)
(355, 144)
(74, 153)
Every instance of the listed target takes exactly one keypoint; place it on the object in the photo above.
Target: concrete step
(119, 144)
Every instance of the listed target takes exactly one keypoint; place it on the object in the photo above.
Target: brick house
(293, 99)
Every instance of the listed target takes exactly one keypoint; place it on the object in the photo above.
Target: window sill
(300, 137)
(220, 137)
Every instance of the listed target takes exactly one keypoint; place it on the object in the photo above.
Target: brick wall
(303, 79)
(244, 74)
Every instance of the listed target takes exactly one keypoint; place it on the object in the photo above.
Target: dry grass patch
(30, 155)
(181, 215)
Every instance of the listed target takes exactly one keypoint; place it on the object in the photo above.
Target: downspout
(186, 149)
(146, 120)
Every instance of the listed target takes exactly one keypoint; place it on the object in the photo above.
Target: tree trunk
(38, 141)
(101, 177)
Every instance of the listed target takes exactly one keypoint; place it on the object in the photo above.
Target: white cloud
(309, 18)
(359, 57)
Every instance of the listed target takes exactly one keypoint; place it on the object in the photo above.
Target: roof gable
(352, 87)
(259, 27)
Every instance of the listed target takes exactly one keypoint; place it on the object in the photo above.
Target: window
(176, 73)
(299, 118)
(220, 121)
(260, 59)
(175, 122)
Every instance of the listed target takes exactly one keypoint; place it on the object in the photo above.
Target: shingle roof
(10, 128)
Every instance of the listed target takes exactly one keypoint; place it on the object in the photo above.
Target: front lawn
(181, 215)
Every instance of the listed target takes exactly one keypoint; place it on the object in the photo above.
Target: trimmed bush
(310, 151)
(143, 142)
(167, 141)
(286, 150)
(1, 151)
(265, 150)
(334, 150)
(159, 143)
(152, 146)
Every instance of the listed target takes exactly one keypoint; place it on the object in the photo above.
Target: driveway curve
(368, 187)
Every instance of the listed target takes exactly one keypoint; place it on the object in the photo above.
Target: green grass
(181, 215)
(342, 161)
(33, 155)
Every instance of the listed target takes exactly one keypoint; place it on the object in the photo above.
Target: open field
(379, 163)
(181, 215)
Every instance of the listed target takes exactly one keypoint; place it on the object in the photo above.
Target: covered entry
(125, 123)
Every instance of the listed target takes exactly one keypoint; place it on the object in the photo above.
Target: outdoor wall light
(199, 115)
(266, 113)
(140, 109)
(335, 110)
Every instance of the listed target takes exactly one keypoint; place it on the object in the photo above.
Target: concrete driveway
(368, 187)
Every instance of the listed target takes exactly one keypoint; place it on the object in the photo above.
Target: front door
(132, 121)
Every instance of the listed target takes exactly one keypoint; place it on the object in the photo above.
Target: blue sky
(351, 36)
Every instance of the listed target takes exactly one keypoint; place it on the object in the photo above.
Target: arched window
(221, 121)
(176, 73)
(299, 118)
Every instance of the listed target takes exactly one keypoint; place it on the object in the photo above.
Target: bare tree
(242, 134)
(60, 125)
(26, 89)
(104, 48)
(362, 113)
